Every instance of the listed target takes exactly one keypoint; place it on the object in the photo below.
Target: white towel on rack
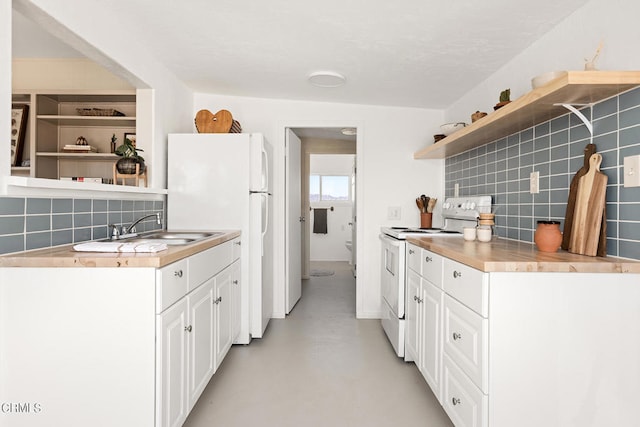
(120, 247)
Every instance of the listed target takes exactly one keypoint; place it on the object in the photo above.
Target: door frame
(279, 287)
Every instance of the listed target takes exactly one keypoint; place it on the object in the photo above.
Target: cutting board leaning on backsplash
(589, 208)
(589, 149)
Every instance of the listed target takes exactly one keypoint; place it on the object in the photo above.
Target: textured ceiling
(415, 53)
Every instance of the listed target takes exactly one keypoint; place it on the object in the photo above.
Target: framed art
(19, 117)
(131, 137)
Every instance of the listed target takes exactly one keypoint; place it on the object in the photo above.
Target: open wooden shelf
(92, 156)
(115, 121)
(535, 107)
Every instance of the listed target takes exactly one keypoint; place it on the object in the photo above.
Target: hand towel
(320, 220)
(120, 247)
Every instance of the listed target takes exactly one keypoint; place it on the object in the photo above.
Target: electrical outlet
(632, 171)
(456, 190)
(393, 213)
(534, 182)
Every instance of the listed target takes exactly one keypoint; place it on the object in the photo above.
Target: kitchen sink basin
(171, 238)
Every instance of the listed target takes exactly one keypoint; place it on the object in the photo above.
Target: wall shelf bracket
(574, 110)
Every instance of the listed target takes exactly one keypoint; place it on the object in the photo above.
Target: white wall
(5, 85)
(331, 246)
(612, 22)
(387, 173)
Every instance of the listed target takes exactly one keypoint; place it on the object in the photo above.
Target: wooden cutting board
(207, 122)
(590, 202)
(589, 150)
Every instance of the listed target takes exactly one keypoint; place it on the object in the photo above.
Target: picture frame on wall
(131, 137)
(19, 118)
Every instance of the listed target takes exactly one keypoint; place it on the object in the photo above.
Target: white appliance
(456, 213)
(221, 181)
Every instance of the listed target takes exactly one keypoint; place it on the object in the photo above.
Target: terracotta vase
(548, 237)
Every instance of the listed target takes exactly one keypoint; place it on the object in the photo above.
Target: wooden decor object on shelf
(207, 122)
(136, 176)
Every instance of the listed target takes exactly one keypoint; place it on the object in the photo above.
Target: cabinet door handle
(411, 252)
(428, 259)
(456, 274)
(235, 282)
(218, 300)
(455, 401)
(188, 328)
(457, 336)
(178, 273)
(238, 243)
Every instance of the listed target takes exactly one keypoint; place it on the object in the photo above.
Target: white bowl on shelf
(545, 78)
(449, 128)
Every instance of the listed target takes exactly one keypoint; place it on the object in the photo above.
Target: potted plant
(130, 157)
(505, 98)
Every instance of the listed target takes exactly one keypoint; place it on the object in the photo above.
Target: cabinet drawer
(467, 285)
(208, 263)
(465, 339)
(171, 284)
(414, 258)
(465, 404)
(432, 267)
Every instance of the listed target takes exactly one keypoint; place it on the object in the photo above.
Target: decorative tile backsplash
(556, 150)
(32, 223)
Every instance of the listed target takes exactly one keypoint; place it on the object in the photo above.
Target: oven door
(392, 274)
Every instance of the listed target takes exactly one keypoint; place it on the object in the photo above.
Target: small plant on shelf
(130, 157)
(505, 98)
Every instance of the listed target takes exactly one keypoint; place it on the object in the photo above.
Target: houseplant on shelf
(505, 98)
(130, 157)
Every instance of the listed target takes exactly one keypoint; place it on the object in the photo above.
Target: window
(328, 188)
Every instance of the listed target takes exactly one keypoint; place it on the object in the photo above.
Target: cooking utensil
(207, 122)
(419, 204)
(425, 203)
(590, 203)
(431, 205)
(589, 150)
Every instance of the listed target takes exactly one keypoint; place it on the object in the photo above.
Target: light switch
(393, 212)
(632, 171)
(534, 182)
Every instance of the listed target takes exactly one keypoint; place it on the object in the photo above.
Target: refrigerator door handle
(266, 219)
(265, 178)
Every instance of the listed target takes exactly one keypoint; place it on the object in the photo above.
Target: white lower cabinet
(115, 346)
(526, 349)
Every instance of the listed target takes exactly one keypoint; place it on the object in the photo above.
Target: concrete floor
(318, 367)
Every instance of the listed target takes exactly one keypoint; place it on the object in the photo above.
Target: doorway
(330, 148)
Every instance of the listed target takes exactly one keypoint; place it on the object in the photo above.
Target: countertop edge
(503, 255)
(65, 256)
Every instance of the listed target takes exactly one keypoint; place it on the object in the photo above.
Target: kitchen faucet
(126, 231)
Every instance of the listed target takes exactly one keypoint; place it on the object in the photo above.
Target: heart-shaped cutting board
(207, 122)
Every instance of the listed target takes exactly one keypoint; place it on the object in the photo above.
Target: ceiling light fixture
(348, 131)
(326, 79)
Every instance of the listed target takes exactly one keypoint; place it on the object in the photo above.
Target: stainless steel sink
(171, 238)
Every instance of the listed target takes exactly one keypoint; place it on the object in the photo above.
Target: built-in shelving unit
(535, 107)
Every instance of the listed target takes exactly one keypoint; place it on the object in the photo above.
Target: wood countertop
(502, 255)
(65, 256)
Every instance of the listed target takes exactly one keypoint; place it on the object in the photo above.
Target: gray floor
(318, 367)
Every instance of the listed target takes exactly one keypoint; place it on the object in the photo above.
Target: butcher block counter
(65, 256)
(501, 255)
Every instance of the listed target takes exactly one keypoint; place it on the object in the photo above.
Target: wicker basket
(99, 112)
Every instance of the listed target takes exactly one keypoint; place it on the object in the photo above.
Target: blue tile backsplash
(556, 150)
(32, 223)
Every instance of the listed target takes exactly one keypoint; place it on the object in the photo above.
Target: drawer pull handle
(417, 299)
(178, 273)
(428, 259)
(235, 282)
(457, 336)
(218, 300)
(456, 274)
(238, 243)
(411, 252)
(455, 401)
(188, 328)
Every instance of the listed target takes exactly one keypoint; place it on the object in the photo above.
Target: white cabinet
(209, 310)
(136, 339)
(525, 349)
(172, 373)
(424, 316)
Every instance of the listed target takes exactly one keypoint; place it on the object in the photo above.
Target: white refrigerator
(222, 182)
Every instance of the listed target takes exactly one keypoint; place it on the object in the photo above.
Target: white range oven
(457, 213)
